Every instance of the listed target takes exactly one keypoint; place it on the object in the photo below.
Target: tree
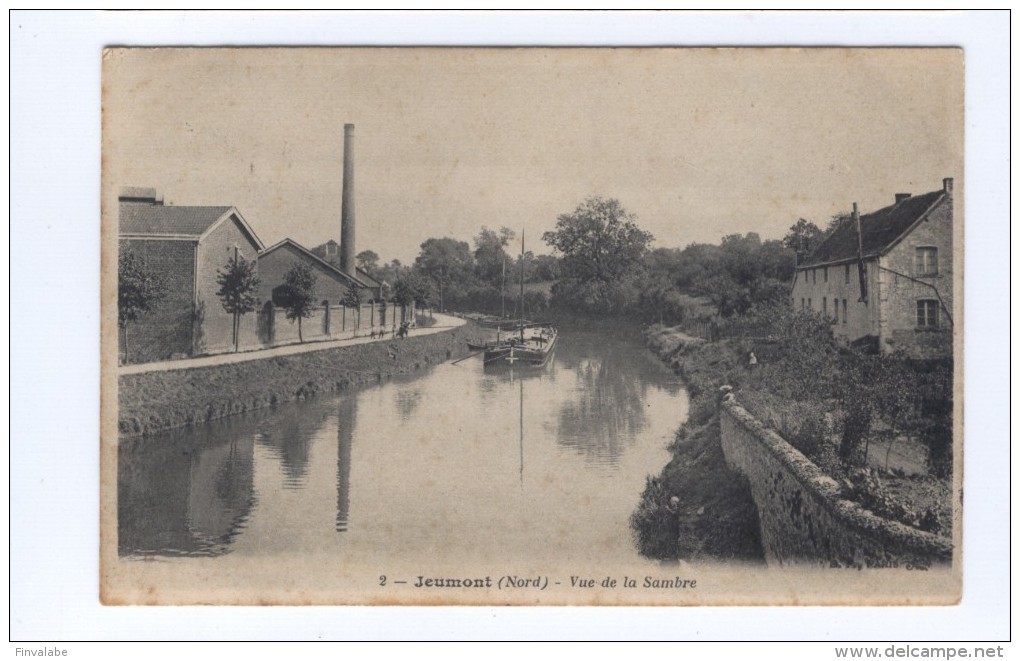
(547, 267)
(390, 272)
(352, 299)
(599, 241)
(139, 289)
(446, 262)
(239, 284)
(297, 296)
(803, 237)
(405, 289)
(367, 260)
(601, 247)
(490, 254)
(836, 221)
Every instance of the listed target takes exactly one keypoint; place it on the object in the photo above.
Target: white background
(54, 173)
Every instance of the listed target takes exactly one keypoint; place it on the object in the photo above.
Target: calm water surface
(459, 462)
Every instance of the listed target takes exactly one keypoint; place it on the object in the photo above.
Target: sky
(697, 143)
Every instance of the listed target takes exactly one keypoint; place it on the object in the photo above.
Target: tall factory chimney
(347, 262)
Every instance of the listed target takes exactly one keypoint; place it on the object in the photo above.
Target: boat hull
(531, 352)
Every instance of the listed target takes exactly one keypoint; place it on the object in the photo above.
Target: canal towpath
(443, 322)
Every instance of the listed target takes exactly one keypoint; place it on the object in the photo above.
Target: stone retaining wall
(155, 401)
(804, 518)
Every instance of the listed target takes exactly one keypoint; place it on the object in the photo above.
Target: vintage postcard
(532, 326)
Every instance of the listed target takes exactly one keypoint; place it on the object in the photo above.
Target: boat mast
(522, 285)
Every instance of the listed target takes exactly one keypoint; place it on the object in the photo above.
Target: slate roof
(879, 231)
(368, 278)
(168, 220)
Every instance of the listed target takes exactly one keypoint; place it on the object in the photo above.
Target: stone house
(888, 285)
(186, 245)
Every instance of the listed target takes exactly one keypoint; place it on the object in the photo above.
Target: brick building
(331, 318)
(330, 252)
(186, 245)
(890, 283)
(331, 283)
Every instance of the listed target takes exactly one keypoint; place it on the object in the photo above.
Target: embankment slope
(697, 508)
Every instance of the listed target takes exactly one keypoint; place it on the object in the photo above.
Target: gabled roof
(880, 231)
(367, 277)
(177, 221)
(183, 222)
(315, 258)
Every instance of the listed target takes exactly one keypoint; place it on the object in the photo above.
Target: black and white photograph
(532, 326)
(352, 326)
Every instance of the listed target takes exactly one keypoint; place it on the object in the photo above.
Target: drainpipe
(942, 303)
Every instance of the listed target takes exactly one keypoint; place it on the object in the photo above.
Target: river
(460, 465)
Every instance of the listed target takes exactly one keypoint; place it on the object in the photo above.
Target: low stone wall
(804, 519)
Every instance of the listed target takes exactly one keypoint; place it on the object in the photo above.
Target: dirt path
(443, 322)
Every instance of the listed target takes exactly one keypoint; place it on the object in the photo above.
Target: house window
(926, 261)
(844, 310)
(814, 276)
(825, 306)
(825, 274)
(802, 304)
(809, 304)
(846, 274)
(927, 314)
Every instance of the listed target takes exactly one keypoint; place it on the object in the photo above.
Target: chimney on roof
(136, 195)
(347, 263)
(901, 196)
(947, 185)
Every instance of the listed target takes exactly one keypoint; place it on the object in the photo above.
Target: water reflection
(457, 462)
(407, 401)
(185, 493)
(610, 406)
(288, 435)
(344, 439)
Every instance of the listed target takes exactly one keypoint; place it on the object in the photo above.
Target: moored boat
(527, 343)
(533, 345)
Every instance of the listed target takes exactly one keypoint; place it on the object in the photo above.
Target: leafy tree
(602, 248)
(390, 272)
(874, 387)
(424, 294)
(738, 274)
(837, 220)
(352, 299)
(599, 241)
(490, 254)
(447, 262)
(297, 296)
(696, 264)
(367, 260)
(803, 237)
(139, 289)
(403, 291)
(547, 267)
(239, 284)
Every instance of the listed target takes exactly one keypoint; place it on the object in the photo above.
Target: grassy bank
(156, 401)
(697, 508)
